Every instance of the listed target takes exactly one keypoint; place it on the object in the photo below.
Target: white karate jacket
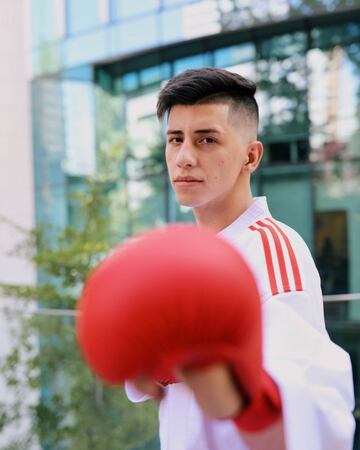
(313, 374)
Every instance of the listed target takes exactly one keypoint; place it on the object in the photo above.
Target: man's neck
(222, 214)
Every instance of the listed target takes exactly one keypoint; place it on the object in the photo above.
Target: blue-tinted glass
(45, 23)
(50, 204)
(49, 150)
(48, 126)
(130, 81)
(79, 126)
(191, 62)
(337, 226)
(147, 203)
(155, 74)
(286, 45)
(118, 86)
(133, 35)
(174, 2)
(334, 103)
(234, 55)
(82, 15)
(143, 129)
(150, 75)
(326, 37)
(171, 25)
(47, 59)
(86, 48)
(84, 73)
(166, 71)
(121, 9)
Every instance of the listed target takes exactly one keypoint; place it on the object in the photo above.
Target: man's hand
(214, 389)
(149, 387)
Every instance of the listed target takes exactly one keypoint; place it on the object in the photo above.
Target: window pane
(337, 225)
(121, 9)
(130, 81)
(147, 203)
(174, 2)
(279, 152)
(289, 195)
(51, 205)
(83, 15)
(171, 25)
(282, 85)
(79, 128)
(129, 35)
(331, 251)
(334, 102)
(328, 37)
(200, 19)
(155, 74)
(343, 326)
(146, 154)
(49, 151)
(47, 59)
(235, 54)
(85, 48)
(191, 62)
(47, 20)
(246, 69)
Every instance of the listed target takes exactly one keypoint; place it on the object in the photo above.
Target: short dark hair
(208, 85)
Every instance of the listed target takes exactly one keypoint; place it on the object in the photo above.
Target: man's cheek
(168, 163)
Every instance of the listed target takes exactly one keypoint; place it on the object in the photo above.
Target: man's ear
(255, 151)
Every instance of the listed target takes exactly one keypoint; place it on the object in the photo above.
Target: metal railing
(73, 313)
(341, 298)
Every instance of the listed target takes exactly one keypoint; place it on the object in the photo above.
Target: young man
(211, 151)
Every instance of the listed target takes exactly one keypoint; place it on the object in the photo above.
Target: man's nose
(186, 156)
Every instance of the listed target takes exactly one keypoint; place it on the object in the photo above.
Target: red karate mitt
(175, 297)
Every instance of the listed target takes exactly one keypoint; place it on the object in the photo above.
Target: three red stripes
(276, 232)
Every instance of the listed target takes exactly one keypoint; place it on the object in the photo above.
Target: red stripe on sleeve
(294, 264)
(268, 258)
(280, 255)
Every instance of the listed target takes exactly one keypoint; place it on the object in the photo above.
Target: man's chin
(188, 202)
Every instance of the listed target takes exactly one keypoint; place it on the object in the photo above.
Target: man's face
(205, 154)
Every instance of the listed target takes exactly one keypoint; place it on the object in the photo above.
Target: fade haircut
(209, 85)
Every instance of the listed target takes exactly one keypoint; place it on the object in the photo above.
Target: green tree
(74, 410)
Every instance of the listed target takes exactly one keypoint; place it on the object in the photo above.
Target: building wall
(77, 32)
(16, 168)
(16, 174)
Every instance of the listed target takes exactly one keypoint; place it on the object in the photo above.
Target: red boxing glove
(175, 297)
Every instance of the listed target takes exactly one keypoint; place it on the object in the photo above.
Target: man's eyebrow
(202, 131)
(207, 131)
(174, 132)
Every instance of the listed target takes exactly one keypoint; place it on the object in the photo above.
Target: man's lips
(187, 181)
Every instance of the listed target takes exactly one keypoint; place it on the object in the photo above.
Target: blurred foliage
(236, 14)
(68, 407)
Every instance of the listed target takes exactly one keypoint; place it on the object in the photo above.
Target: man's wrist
(215, 390)
(263, 410)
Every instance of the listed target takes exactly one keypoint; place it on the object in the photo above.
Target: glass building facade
(97, 69)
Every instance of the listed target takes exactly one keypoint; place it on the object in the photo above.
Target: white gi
(313, 374)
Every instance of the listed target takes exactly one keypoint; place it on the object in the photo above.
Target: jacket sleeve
(133, 394)
(314, 380)
(314, 377)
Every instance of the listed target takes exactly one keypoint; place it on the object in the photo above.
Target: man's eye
(207, 140)
(175, 140)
